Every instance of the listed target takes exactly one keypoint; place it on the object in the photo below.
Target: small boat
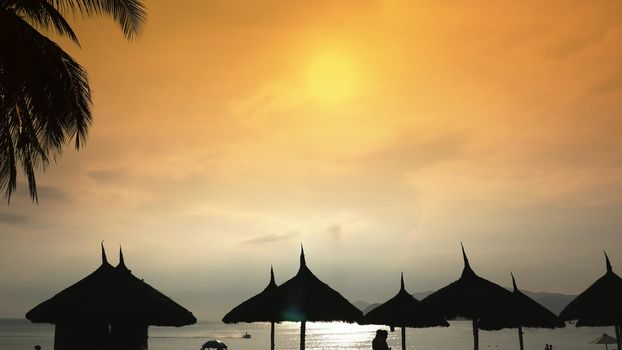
(246, 335)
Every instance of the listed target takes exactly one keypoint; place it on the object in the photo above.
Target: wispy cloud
(334, 231)
(411, 150)
(14, 219)
(107, 176)
(269, 100)
(270, 238)
(45, 192)
(54, 192)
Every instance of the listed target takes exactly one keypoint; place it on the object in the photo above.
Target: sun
(332, 76)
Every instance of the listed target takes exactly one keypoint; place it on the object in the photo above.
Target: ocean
(23, 335)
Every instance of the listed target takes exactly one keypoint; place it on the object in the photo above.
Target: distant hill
(555, 302)
(370, 307)
(361, 305)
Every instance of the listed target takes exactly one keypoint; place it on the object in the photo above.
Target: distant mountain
(361, 305)
(422, 295)
(370, 307)
(555, 302)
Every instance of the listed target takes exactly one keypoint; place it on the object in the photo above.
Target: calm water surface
(21, 335)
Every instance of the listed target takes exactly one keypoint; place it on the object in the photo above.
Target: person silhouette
(375, 343)
(385, 335)
(380, 341)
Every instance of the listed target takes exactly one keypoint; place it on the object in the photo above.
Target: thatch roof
(109, 294)
(531, 314)
(259, 308)
(138, 301)
(526, 312)
(474, 298)
(603, 339)
(90, 299)
(600, 304)
(305, 298)
(403, 310)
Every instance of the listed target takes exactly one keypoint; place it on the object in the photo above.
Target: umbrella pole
(271, 335)
(403, 338)
(475, 335)
(303, 326)
(520, 337)
(618, 335)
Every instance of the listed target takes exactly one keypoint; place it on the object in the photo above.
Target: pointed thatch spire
(121, 265)
(608, 263)
(272, 276)
(467, 267)
(121, 261)
(302, 256)
(402, 283)
(403, 310)
(513, 282)
(104, 260)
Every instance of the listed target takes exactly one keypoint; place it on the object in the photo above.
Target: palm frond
(130, 15)
(46, 101)
(8, 164)
(45, 98)
(42, 14)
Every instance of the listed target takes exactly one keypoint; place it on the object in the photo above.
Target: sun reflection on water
(335, 335)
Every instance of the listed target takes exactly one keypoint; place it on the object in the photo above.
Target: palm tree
(45, 98)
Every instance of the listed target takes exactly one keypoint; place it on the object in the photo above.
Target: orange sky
(377, 133)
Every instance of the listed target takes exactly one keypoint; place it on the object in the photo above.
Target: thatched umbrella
(81, 311)
(528, 313)
(604, 339)
(108, 306)
(403, 310)
(259, 308)
(474, 298)
(139, 306)
(600, 304)
(304, 298)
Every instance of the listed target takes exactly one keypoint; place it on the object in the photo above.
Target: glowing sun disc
(332, 76)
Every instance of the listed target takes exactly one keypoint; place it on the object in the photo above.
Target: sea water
(23, 335)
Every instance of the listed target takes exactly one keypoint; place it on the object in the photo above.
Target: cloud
(334, 231)
(44, 192)
(14, 219)
(273, 98)
(410, 151)
(53, 192)
(106, 176)
(270, 238)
